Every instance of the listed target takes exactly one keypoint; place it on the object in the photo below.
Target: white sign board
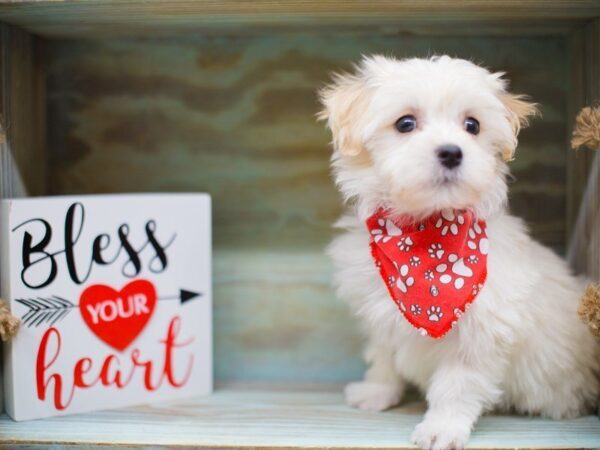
(114, 296)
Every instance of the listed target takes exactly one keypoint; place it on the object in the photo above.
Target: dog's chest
(416, 357)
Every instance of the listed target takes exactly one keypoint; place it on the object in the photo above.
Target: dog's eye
(406, 124)
(471, 125)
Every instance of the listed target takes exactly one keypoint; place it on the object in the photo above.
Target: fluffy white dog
(413, 138)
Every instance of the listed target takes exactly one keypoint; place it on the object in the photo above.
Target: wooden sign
(114, 296)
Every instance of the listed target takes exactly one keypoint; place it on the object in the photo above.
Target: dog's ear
(519, 111)
(344, 101)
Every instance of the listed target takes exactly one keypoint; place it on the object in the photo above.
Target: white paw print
(435, 251)
(404, 281)
(448, 222)
(414, 261)
(484, 244)
(429, 275)
(405, 244)
(377, 234)
(472, 259)
(458, 268)
(391, 280)
(457, 313)
(390, 228)
(435, 314)
(415, 309)
(434, 291)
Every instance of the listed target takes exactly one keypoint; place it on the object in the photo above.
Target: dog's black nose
(450, 155)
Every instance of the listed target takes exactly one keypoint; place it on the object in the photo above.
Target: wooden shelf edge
(279, 419)
(112, 18)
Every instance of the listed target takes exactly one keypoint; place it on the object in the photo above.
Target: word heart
(118, 317)
(111, 371)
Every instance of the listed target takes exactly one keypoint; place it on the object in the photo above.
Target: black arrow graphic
(50, 310)
(45, 310)
(183, 297)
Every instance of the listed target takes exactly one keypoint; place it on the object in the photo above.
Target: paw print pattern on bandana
(449, 222)
(454, 271)
(435, 251)
(405, 244)
(434, 314)
(387, 231)
(391, 280)
(472, 259)
(475, 232)
(436, 267)
(404, 281)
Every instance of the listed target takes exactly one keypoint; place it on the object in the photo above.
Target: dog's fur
(521, 346)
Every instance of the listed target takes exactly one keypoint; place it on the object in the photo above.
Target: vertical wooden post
(583, 201)
(22, 119)
(22, 106)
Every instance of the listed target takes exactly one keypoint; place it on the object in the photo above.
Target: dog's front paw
(441, 433)
(372, 396)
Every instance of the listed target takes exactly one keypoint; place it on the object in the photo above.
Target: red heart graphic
(118, 317)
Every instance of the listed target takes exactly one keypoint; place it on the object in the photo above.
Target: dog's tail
(589, 308)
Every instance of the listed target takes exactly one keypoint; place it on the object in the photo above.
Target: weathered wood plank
(22, 107)
(281, 419)
(583, 193)
(142, 17)
(591, 213)
(276, 319)
(234, 116)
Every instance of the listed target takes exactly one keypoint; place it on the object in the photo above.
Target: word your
(109, 310)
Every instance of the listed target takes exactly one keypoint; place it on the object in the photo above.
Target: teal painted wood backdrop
(234, 115)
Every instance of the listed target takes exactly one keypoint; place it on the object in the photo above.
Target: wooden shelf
(234, 418)
(111, 18)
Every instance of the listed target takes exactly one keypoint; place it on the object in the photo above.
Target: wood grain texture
(151, 17)
(583, 180)
(22, 136)
(22, 106)
(234, 116)
(281, 419)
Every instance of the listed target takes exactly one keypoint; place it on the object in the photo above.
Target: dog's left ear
(519, 111)
(343, 102)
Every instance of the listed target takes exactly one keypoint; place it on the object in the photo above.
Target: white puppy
(521, 345)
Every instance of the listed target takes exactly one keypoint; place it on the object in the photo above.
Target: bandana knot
(434, 268)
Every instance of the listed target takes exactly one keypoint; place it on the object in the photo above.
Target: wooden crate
(219, 96)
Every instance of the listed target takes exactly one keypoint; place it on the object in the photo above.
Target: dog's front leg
(462, 387)
(382, 387)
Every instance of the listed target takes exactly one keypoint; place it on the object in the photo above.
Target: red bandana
(433, 269)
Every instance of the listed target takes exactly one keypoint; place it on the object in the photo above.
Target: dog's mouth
(449, 178)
